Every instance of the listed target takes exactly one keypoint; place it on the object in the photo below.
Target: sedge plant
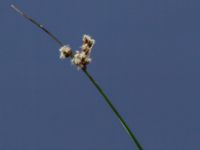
(81, 59)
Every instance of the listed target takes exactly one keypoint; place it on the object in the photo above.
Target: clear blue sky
(146, 57)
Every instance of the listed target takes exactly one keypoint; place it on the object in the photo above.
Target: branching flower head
(82, 57)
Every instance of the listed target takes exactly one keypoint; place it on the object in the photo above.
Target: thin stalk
(87, 74)
(37, 24)
(113, 109)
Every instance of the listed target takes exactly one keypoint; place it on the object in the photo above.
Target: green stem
(87, 74)
(113, 109)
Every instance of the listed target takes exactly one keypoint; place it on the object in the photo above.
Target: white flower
(76, 59)
(65, 51)
(80, 59)
(82, 55)
(88, 39)
(85, 47)
(88, 43)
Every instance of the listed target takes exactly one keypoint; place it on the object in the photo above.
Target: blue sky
(146, 58)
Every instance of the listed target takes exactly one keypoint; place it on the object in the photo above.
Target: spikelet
(65, 51)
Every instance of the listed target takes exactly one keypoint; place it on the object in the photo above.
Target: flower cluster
(82, 57)
(88, 43)
(65, 51)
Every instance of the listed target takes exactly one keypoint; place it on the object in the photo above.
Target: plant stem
(86, 73)
(113, 109)
(37, 24)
